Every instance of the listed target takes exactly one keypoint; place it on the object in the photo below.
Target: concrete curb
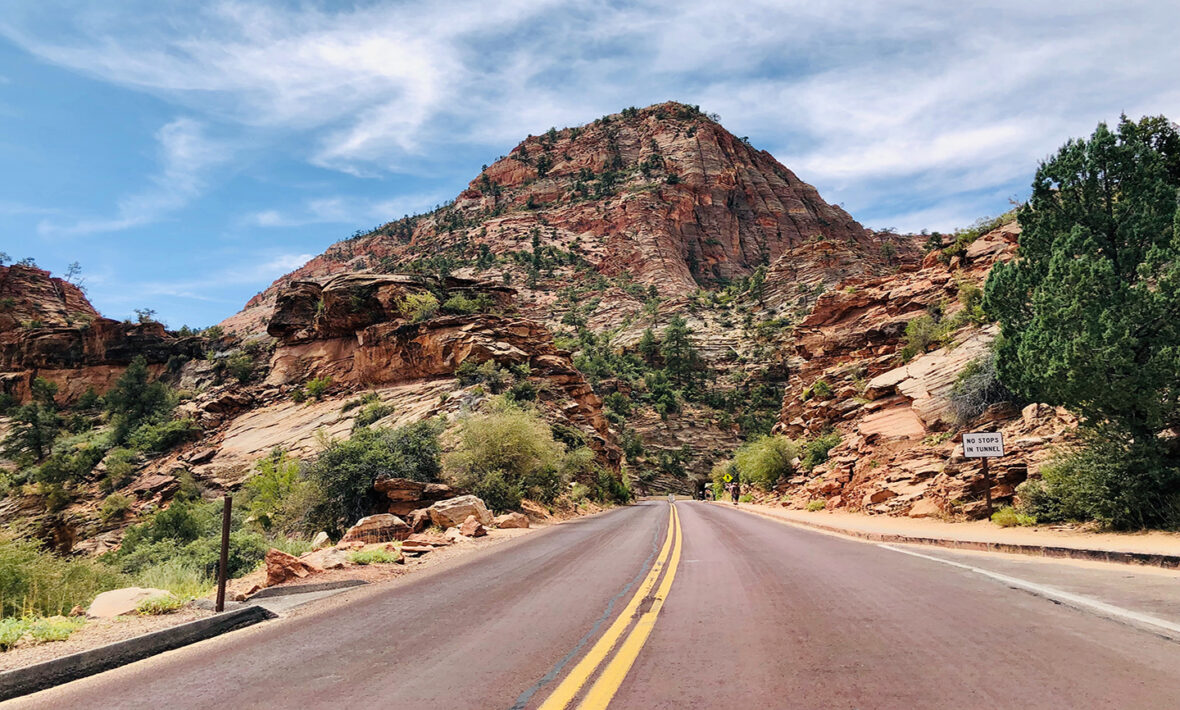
(40, 676)
(1076, 553)
(269, 592)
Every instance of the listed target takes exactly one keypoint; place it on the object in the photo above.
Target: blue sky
(186, 154)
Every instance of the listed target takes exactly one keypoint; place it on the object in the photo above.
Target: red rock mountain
(662, 196)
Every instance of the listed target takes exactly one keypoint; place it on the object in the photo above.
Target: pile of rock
(461, 517)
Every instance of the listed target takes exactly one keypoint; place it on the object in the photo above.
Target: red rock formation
(663, 194)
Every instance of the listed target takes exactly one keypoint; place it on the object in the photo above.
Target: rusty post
(223, 565)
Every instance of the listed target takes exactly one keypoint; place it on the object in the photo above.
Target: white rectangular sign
(982, 445)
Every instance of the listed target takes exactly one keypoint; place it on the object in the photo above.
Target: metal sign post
(223, 566)
(984, 445)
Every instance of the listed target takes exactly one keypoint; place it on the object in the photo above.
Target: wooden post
(987, 488)
(223, 565)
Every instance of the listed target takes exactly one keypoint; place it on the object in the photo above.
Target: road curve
(709, 608)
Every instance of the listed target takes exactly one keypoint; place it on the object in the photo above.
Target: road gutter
(40, 676)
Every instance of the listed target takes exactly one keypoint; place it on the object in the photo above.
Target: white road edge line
(1152, 623)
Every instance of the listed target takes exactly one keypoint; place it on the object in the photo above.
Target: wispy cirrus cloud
(186, 155)
(912, 101)
(345, 210)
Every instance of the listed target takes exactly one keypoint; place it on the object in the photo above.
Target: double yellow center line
(608, 682)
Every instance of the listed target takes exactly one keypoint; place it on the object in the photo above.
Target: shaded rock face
(49, 329)
(899, 452)
(396, 351)
(383, 527)
(345, 304)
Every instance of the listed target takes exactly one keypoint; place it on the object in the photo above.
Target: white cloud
(185, 155)
(910, 100)
(346, 210)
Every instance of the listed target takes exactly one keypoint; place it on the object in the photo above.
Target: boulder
(419, 520)
(282, 567)
(406, 495)
(471, 527)
(420, 539)
(382, 527)
(320, 541)
(451, 513)
(329, 558)
(120, 602)
(511, 520)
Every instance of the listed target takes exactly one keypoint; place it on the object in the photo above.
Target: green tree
(135, 399)
(680, 357)
(1090, 311)
(649, 347)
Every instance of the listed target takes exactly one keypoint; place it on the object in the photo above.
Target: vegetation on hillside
(1090, 317)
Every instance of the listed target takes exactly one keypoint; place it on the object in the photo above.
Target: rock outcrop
(899, 450)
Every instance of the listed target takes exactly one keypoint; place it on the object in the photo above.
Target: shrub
(419, 306)
(120, 466)
(163, 604)
(40, 630)
(240, 366)
(377, 556)
(184, 578)
(819, 390)
(1110, 478)
(1007, 517)
(765, 460)
(486, 373)
(114, 507)
(746, 498)
(919, 334)
(816, 450)
(188, 532)
(817, 505)
(976, 388)
(38, 583)
(275, 496)
(157, 438)
(343, 474)
(505, 454)
(371, 413)
(316, 388)
(134, 400)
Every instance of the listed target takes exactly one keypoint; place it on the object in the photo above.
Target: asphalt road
(640, 607)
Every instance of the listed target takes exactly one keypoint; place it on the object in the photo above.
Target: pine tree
(681, 359)
(1090, 311)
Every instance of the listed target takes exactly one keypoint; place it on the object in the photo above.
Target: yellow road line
(604, 689)
(569, 688)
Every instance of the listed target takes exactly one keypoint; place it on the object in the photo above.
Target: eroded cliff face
(49, 329)
(658, 197)
(899, 451)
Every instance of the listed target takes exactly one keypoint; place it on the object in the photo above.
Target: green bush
(419, 306)
(763, 461)
(377, 556)
(158, 605)
(819, 390)
(120, 466)
(157, 438)
(816, 450)
(343, 474)
(1007, 517)
(1109, 478)
(316, 388)
(746, 498)
(815, 505)
(505, 454)
(34, 582)
(40, 630)
(135, 400)
(277, 497)
(240, 366)
(919, 334)
(188, 532)
(114, 507)
(371, 413)
(184, 578)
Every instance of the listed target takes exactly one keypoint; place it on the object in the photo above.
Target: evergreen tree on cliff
(1090, 309)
